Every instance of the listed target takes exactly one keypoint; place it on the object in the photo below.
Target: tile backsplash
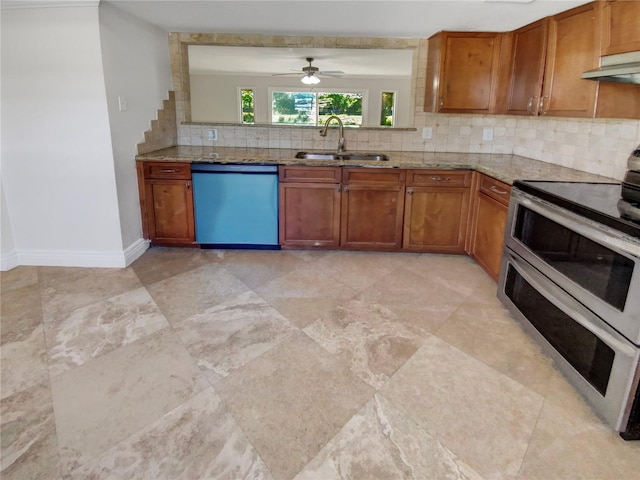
(599, 146)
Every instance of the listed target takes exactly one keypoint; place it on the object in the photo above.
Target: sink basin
(342, 156)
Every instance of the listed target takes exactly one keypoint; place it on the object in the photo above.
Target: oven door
(598, 266)
(596, 359)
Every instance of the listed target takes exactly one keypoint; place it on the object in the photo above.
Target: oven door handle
(595, 232)
(552, 293)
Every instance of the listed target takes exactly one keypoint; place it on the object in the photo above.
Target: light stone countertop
(507, 168)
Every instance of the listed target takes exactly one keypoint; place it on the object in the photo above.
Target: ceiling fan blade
(284, 74)
(331, 74)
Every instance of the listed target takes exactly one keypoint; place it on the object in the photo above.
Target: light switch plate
(427, 132)
(122, 104)
(487, 134)
(212, 134)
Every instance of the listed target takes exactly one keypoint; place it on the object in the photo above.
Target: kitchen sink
(342, 156)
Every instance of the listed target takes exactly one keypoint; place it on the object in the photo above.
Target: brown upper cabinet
(462, 72)
(620, 34)
(547, 59)
(620, 26)
(528, 55)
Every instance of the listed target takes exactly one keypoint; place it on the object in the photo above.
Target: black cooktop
(596, 201)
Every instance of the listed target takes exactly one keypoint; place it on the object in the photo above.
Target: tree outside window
(247, 104)
(313, 108)
(387, 110)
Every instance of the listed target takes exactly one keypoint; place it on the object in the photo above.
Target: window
(387, 112)
(313, 108)
(247, 108)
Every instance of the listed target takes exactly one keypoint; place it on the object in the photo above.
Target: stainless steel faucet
(323, 132)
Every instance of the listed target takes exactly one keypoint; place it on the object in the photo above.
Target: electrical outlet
(212, 134)
(487, 134)
(427, 132)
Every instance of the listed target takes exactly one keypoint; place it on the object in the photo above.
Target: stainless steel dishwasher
(236, 206)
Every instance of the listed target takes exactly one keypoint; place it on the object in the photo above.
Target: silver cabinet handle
(541, 109)
(440, 103)
(532, 100)
(339, 188)
(409, 191)
(345, 188)
(496, 190)
(439, 179)
(169, 170)
(188, 185)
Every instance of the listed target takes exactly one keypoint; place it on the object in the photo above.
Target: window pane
(246, 99)
(294, 108)
(387, 111)
(346, 106)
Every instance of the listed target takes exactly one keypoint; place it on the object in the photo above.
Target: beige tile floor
(196, 364)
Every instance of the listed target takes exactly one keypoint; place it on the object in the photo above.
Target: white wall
(214, 98)
(57, 159)
(135, 56)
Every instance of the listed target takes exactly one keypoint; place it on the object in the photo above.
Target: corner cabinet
(462, 72)
(166, 202)
(436, 210)
(489, 217)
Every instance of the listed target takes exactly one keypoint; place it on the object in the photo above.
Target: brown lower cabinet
(309, 206)
(166, 203)
(436, 210)
(489, 216)
(374, 209)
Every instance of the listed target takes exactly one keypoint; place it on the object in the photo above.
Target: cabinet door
(618, 100)
(309, 215)
(462, 72)
(620, 26)
(490, 218)
(435, 219)
(573, 48)
(170, 211)
(527, 68)
(372, 217)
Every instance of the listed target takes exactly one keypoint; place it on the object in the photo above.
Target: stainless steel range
(571, 275)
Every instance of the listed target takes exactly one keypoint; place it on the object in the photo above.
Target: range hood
(623, 67)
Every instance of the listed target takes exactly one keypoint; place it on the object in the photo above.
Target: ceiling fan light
(310, 80)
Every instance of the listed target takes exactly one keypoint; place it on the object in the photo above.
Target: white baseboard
(135, 250)
(74, 258)
(9, 261)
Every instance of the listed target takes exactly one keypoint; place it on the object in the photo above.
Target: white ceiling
(354, 18)
(205, 59)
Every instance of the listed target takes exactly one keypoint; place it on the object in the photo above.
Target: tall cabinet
(547, 59)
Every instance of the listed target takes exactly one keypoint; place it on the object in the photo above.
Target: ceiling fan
(311, 73)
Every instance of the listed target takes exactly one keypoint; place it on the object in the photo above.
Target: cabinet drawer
(495, 189)
(377, 176)
(309, 174)
(438, 178)
(167, 170)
